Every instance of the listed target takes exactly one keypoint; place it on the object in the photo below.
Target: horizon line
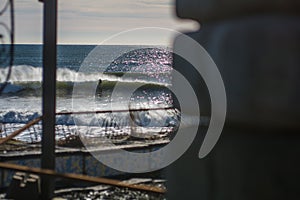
(93, 44)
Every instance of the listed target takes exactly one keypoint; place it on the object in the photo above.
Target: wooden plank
(78, 177)
(17, 132)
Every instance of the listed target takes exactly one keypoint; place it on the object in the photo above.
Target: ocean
(93, 78)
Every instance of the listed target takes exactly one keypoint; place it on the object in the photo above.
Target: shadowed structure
(256, 46)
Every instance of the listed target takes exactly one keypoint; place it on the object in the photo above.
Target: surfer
(99, 88)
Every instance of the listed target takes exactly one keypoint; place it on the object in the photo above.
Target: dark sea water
(132, 77)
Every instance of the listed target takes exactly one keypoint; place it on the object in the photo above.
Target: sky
(95, 21)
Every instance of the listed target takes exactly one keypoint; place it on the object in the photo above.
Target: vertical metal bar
(49, 95)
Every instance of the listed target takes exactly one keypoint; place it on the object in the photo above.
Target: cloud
(90, 21)
(157, 2)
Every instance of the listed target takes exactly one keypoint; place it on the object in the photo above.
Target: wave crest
(26, 73)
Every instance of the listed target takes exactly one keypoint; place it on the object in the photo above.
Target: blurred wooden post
(49, 95)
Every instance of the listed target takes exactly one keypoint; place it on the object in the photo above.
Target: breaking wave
(26, 80)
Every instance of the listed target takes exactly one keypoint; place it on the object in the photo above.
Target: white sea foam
(26, 73)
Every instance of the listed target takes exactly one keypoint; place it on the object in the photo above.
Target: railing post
(49, 95)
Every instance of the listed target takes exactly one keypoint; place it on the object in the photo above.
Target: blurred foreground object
(256, 46)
